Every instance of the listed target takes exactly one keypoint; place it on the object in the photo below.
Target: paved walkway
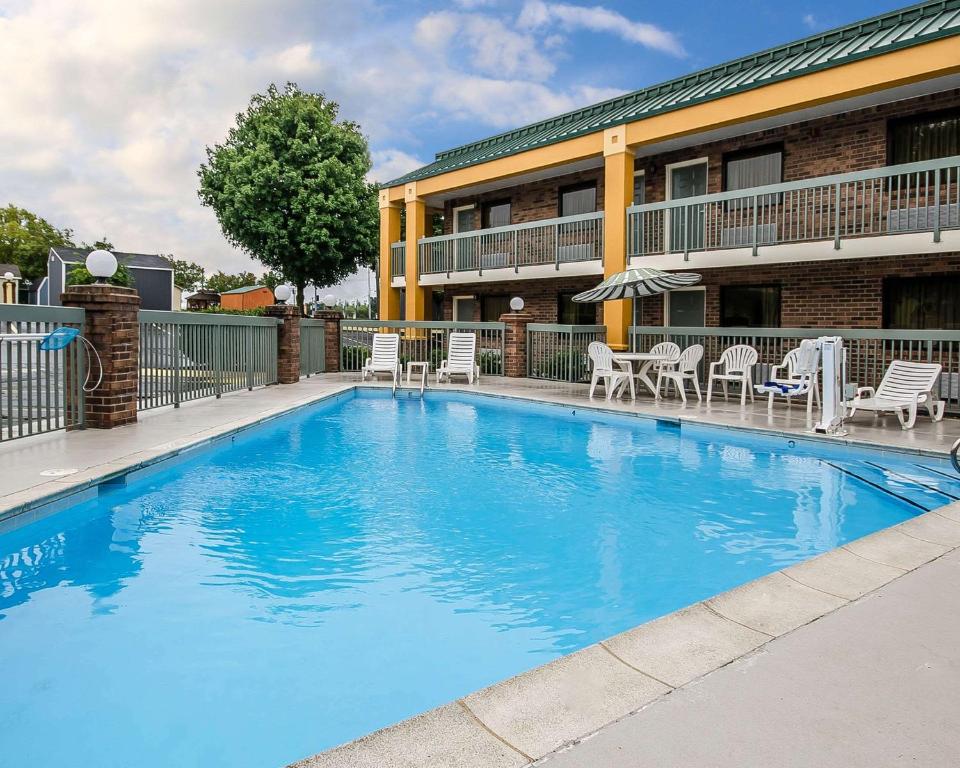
(874, 684)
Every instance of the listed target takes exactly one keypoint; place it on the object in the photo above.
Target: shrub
(255, 312)
(353, 358)
(79, 275)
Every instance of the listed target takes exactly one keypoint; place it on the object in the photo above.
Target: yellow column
(416, 308)
(617, 195)
(388, 297)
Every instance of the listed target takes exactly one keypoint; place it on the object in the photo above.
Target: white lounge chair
(681, 370)
(905, 387)
(461, 358)
(614, 378)
(667, 348)
(384, 357)
(737, 364)
(802, 368)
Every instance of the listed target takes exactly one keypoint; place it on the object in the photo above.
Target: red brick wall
(539, 296)
(830, 294)
(528, 202)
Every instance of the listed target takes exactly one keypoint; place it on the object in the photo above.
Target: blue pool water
(366, 559)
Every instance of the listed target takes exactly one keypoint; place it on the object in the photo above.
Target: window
(752, 168)
(570, 312)
(922, 302)
(750, 306)
(581, 198)
(491, 307)
(496, 214)
(639, 187)
(924, 137)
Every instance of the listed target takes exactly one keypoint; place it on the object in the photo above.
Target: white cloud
(493, 48)
(538, 14)
(109, 104)
(810, 21)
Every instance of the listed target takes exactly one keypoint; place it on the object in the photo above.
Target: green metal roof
(914, 25)
(245, 289)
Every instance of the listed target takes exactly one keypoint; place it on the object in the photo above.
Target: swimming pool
(366, 558)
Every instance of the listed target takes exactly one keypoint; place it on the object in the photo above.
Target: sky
(107, 106)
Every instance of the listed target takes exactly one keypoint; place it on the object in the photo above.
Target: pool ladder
(953, 455)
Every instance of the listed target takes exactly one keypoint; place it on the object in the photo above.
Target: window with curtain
(922, 303)
(581, 198)
(752, 168)
(750, 306)
(924, 137)
(491, 307)
(570, 312)
(496, 213)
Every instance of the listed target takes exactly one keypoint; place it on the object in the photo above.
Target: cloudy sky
(107, 105)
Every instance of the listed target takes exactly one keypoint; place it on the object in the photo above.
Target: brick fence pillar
(515, 343)
(288, 341)
(111, 325)
(331, 336)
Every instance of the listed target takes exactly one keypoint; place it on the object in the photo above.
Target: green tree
(272, 279)
(101, 244)
(288, 186)
(187, 274)
(221, 282)
(26, 240)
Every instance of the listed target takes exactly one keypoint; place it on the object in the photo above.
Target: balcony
(813, 218)
(569, 245)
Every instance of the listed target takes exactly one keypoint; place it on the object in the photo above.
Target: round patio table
(646, 360)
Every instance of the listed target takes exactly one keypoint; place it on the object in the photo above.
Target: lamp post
(282, 293)
(102, 265)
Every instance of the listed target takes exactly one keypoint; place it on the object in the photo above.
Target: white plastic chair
(905, 387)
(614, 378)
(384, 357)
(461, 358)
(802, 367)
(737, 364)
(685, 369)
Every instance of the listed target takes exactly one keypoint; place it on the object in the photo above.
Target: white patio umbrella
(638, 282)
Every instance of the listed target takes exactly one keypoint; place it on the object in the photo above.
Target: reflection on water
(360, 563)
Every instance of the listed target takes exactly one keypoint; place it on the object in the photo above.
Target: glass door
(687, 225)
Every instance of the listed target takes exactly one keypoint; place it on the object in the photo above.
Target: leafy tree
(288, 186)
(79, 275)
(187, 274)
(221, 282)
(102, 244)
(26, 239)
(272, 279)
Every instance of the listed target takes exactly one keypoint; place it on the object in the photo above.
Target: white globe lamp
(8, 276)
(516, 303)
(282, 293)
(101, 264)
(329, 300)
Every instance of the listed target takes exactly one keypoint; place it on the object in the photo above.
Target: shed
(152, 275)
(248, 297)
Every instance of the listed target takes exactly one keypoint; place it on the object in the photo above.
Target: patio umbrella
(640, 281)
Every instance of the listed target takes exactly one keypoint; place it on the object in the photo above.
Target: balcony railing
(550, 241)
(398, 257)
(915, 197)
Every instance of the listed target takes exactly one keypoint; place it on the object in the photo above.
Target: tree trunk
(302, 296)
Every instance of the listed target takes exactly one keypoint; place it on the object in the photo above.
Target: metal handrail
(596, 215)
(882, 172)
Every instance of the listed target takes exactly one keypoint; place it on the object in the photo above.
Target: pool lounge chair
(737, 364)
(904, 388)
(681, 370)
(461, 358)
(614, 378)
(384, 357)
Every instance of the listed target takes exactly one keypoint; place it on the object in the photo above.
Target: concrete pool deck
(722, 682)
